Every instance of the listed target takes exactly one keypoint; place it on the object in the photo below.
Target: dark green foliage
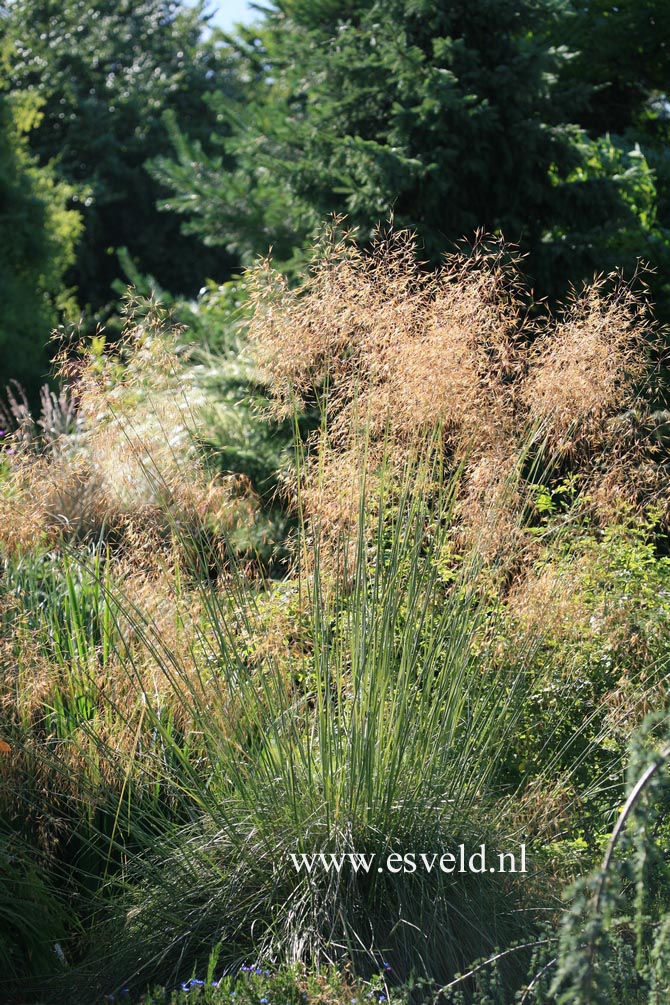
(106, 72)
(32, 915)
(623, 52)
(451, 117)
(376, 108)
(38, 235)
(622, 67)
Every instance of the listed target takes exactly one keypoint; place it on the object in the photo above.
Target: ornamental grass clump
(392, 353)
(384, 735)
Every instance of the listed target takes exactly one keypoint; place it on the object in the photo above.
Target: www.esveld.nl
(458, 861)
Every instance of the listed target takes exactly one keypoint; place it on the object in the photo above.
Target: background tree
(623, 51)
(451, 117)
(38, 243)
(105, 72)
(623, 57)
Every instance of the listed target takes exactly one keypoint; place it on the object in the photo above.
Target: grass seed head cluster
(114, 456)
(396, 356)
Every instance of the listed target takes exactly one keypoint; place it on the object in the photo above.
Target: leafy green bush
(33, 263)
(607, 655)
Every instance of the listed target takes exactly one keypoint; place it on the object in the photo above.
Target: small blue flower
(264, 1001)
(386, 966)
